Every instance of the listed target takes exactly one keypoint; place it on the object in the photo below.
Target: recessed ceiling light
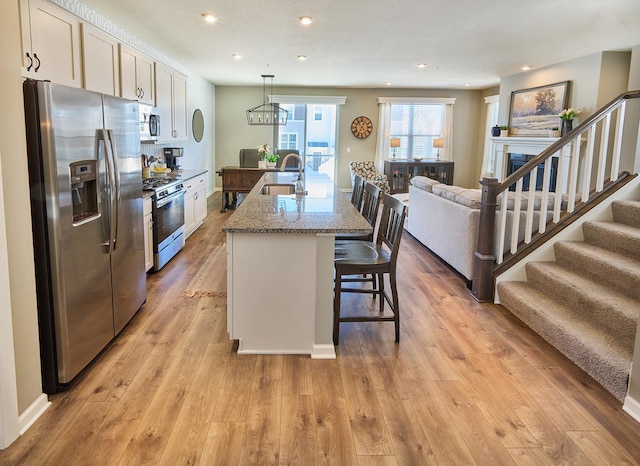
(467, 84)
(209, 18)
(306, 20)
(302, 57)
(526, 68)
(388, 83)
(237, 56)
(422, 65)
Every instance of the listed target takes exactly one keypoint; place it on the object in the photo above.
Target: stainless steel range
(168, 218)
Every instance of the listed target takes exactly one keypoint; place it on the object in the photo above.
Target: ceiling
(366, 44)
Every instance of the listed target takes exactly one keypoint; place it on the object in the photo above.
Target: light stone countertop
(323, 209)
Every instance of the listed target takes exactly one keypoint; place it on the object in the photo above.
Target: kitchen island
(280, 265)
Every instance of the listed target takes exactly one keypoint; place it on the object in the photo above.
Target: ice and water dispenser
(84, 190)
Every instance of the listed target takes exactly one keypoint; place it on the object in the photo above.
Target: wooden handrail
(485, 260)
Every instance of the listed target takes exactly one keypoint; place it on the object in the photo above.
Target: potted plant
(263, 152)
(272, 159)
(554, 132)
(504, 131)
(567, 115)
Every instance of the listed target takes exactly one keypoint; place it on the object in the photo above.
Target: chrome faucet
(299, 188)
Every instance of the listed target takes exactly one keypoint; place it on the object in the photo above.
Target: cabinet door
(180, 117)
(129, 87)
(146, 79)
(164, 91)
(50, 43)
(148, 233)
(189, 211)
(200, 203)
(100, 62)
(137, 75)
(148, 241)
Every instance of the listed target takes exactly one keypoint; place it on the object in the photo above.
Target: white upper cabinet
(137, 75)
(171, 100)
(50, 43)
(100, 64)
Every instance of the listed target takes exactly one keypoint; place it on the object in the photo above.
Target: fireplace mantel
(500, 147)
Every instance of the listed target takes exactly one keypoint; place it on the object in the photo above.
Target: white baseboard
(33, 412)
(632, 407)
(323, 352)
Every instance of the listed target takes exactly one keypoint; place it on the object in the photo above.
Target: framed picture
(534, 111)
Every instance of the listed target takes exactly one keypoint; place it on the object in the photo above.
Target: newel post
(484, 258)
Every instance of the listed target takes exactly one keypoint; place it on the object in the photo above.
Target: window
(417, 125)
(416, 121)
(288, 141)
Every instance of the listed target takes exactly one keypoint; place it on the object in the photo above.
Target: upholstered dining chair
(362, 258)
(367, 170)
(249, 158)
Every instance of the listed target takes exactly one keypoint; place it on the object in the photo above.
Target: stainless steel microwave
(149, 123)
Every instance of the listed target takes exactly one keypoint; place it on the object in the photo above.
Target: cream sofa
(445, 219)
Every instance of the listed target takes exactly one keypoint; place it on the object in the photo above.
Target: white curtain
(384, 127)
(488, 164)
(447, 131)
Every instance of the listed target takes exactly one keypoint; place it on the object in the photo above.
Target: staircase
(586, 303)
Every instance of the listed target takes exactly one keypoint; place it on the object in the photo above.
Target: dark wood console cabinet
(400, 171)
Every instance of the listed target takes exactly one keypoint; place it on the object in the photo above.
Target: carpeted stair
(586, 303)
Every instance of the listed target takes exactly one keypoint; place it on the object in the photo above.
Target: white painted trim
(33, 412)
(323, 352)
(417, 100)
(492, 99)
(632, 407)
(309, 99)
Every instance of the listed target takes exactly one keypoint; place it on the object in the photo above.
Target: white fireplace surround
(501, 147)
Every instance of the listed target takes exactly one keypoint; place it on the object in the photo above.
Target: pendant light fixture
(267, 113)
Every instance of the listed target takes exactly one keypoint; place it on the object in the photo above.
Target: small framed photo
(534, 111)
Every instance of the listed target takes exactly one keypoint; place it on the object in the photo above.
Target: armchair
(250, 157)
(367, 170)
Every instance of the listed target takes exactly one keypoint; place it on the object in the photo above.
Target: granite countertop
(323, 209)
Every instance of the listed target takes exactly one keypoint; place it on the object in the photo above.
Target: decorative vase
(262, 164)
(504, 133)
(495, 131)
(567, 125)
(271, 165)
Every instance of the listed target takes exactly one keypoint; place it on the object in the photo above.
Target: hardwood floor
(468, 384)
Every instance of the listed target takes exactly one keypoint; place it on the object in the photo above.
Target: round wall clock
(361, 127)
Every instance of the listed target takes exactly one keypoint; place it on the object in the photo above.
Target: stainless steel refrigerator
(86, 206)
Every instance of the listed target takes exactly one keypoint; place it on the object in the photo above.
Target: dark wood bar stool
(370, 207)
(361, 258)
(356, 194)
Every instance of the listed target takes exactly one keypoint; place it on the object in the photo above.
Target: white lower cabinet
(148, 233)
(195, 203)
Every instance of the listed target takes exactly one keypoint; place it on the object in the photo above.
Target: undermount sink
(278, 189)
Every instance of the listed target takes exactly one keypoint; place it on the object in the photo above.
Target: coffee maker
(172, 156)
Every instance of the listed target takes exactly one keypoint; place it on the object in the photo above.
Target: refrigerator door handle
(116, 185)
(111, 181)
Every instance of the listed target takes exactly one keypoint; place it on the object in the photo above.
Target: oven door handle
(172, 197)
